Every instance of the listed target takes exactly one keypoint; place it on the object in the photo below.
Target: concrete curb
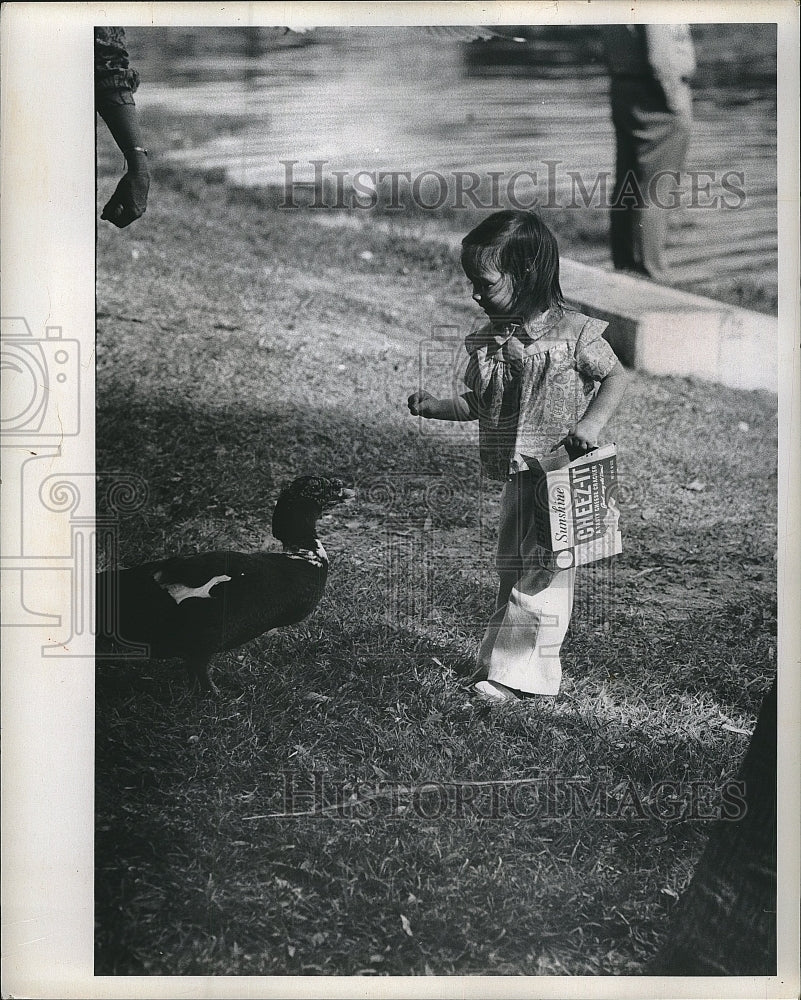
(663, 331)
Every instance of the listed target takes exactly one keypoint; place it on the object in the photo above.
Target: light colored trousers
(522, 642)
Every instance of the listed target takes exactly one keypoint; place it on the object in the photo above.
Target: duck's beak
(345, 494)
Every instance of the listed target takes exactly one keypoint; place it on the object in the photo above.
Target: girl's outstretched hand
(417, 403)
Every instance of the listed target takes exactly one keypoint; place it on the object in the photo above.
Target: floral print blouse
(532, 383)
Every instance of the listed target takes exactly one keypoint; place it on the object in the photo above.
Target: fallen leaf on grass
(696, 486)
(736, 729)
(407, 927)
(714, 720)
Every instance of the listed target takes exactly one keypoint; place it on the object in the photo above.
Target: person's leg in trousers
(508, 566)
(651, 141)
(661, 139)
(521, 645)
(622, 215)
(662, 153)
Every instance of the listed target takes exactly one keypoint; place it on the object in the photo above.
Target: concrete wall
(667, 332)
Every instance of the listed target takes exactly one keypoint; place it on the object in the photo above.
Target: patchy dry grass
(239, 346)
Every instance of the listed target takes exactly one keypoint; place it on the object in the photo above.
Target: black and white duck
(196, 606)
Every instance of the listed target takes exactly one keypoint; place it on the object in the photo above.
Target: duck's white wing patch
(179, 591)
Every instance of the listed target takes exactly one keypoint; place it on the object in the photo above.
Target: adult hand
(129, 200)
(679, 99)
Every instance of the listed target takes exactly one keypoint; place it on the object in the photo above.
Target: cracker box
(577, 505)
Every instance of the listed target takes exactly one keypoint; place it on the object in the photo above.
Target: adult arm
(115, 83)
(672, 59)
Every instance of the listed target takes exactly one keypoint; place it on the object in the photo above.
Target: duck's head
(301, 504)
(320, 490)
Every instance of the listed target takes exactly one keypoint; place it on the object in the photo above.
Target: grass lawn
(239, 346)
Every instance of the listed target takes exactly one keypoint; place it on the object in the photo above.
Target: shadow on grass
(186, 883)
(183, 876)
(176, 770)
(137, 844)
(229, 464)
(213, 476)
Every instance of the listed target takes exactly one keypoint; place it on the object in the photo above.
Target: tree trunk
(725, 922)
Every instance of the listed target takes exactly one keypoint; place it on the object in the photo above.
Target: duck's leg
(199, 669)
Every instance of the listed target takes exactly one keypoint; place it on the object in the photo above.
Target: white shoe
(493, 691)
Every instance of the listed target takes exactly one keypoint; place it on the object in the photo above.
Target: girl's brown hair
(520, 245)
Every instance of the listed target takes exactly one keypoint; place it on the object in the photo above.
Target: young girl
(539, 375)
